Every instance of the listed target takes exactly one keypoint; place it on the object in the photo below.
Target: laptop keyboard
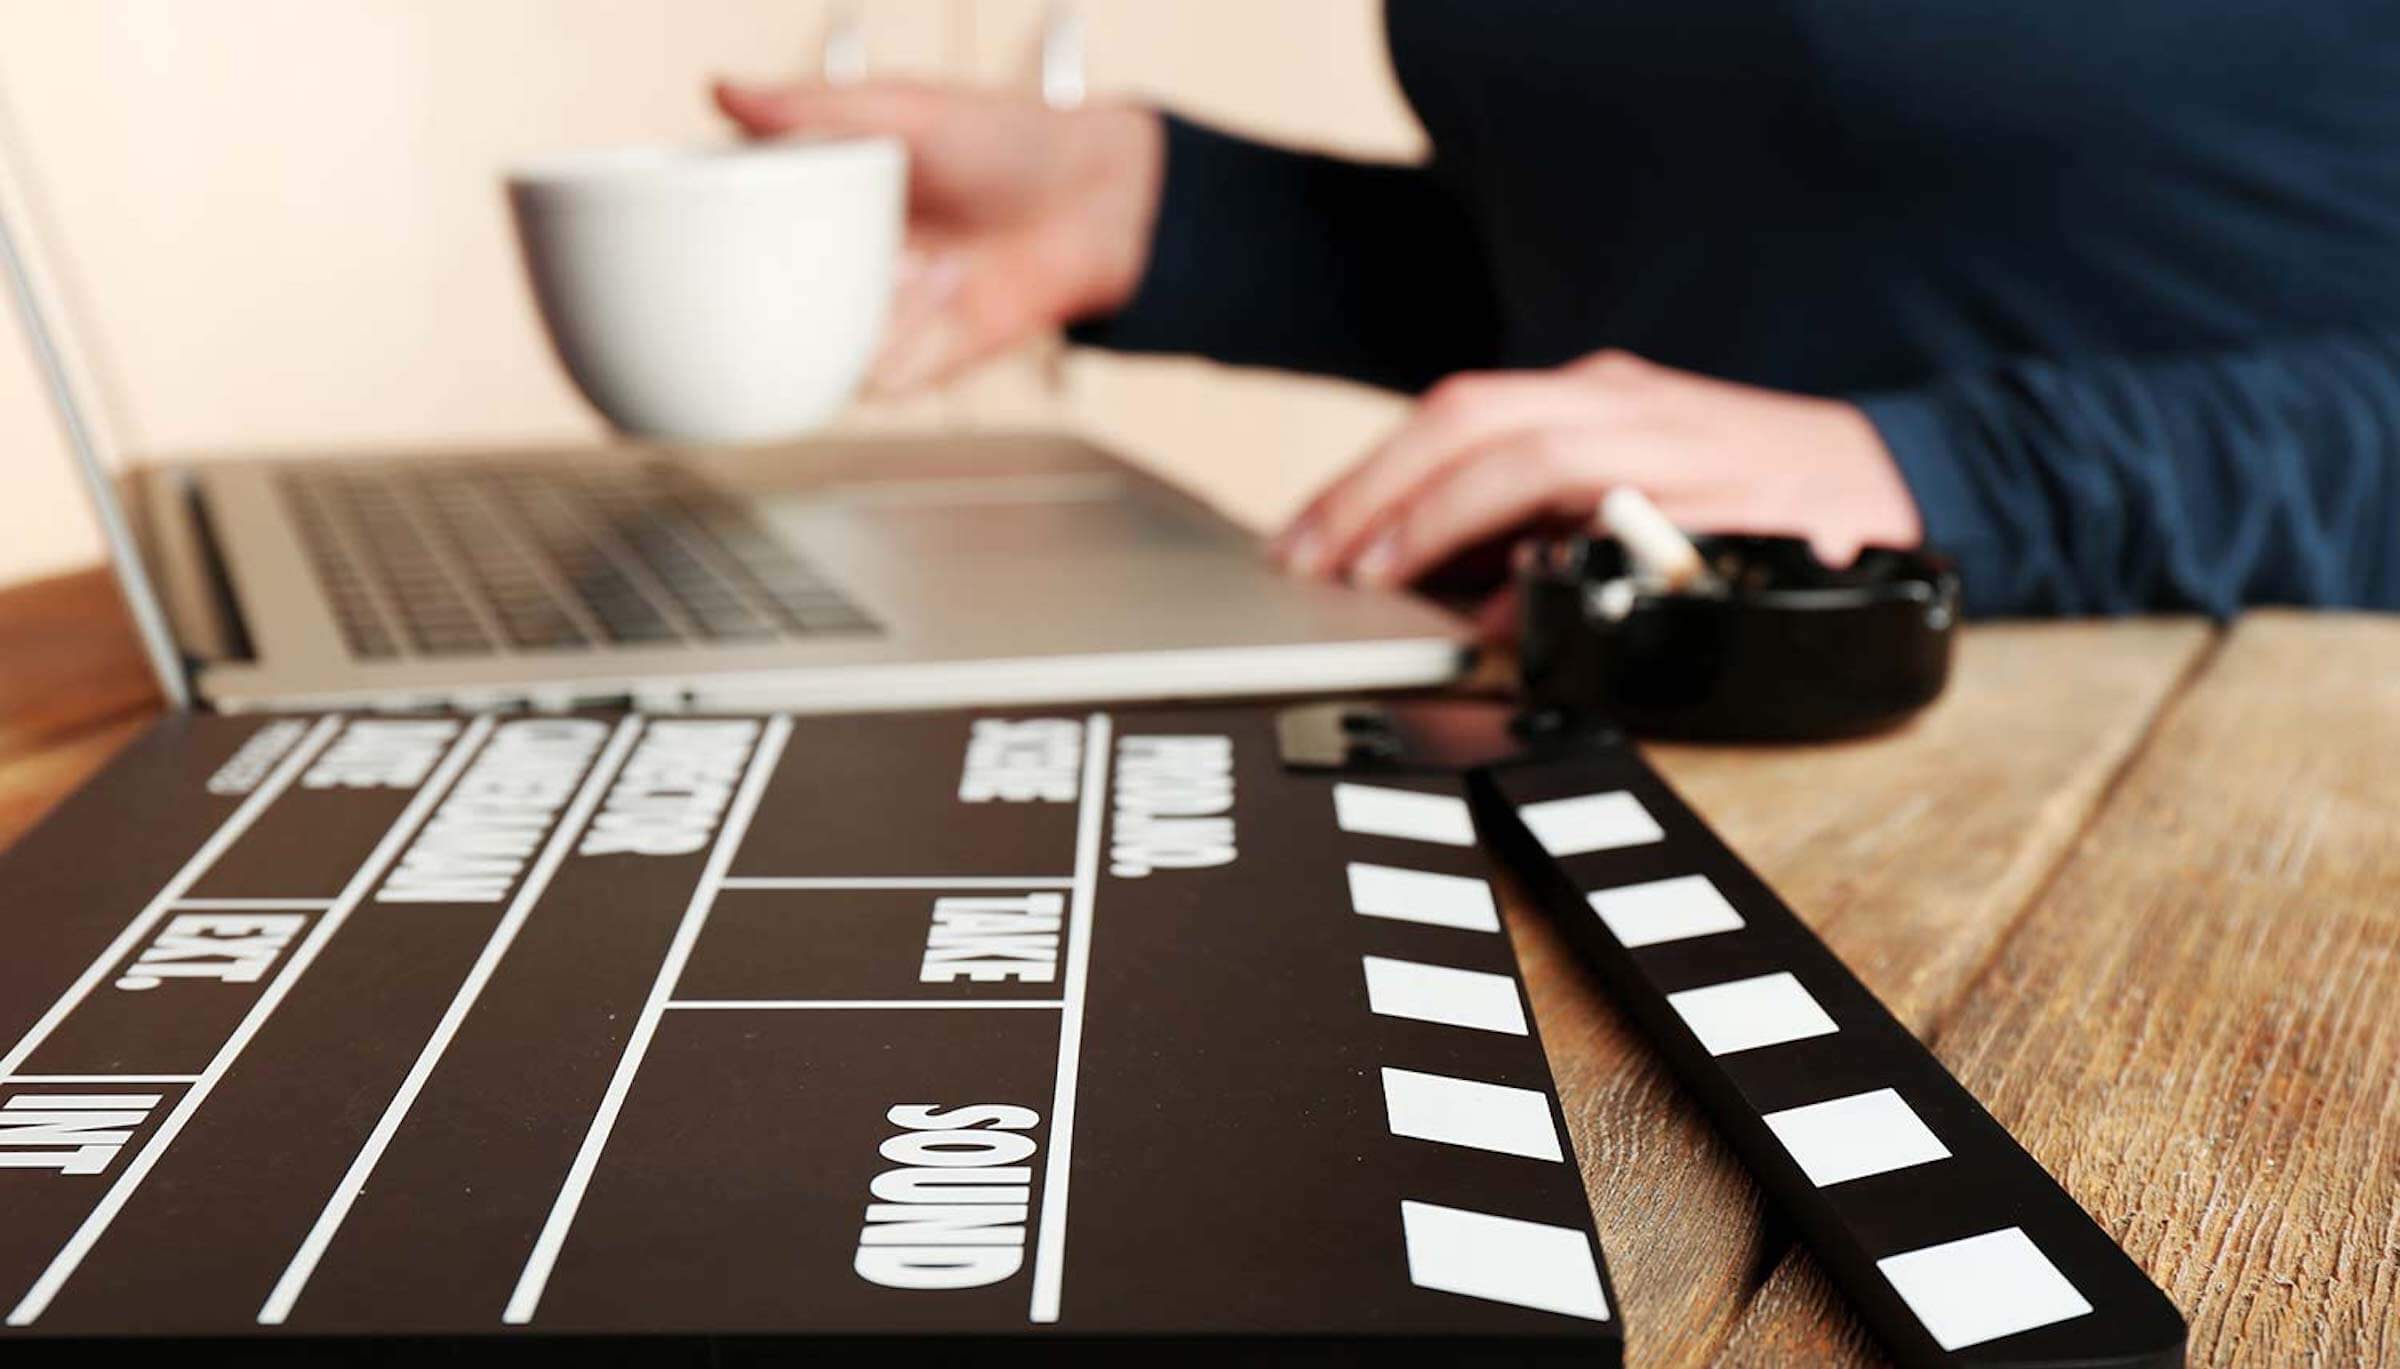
(437, 559)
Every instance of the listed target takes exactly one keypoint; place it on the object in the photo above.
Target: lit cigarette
(1658, 548)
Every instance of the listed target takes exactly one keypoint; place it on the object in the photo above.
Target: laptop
(840, 574)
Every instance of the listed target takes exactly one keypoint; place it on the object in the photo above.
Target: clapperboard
(1019, 1035)
(1180, 1032)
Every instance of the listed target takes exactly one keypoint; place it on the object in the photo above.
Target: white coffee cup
(726, 294)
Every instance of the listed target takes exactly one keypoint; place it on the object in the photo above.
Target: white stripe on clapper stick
(337, 1208)
(137, 932)
(1050, 1239)
(536, 1275)
(394, 841)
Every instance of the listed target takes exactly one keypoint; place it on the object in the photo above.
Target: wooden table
(2138, 883)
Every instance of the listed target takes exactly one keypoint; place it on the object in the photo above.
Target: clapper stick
(1952, 1243)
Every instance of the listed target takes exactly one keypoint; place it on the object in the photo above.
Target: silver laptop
(827, 575)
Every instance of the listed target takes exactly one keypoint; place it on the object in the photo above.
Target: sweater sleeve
(1268, 257)
(2265, 476)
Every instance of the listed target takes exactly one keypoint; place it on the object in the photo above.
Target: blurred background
(279, 223)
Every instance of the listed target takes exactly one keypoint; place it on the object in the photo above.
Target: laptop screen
(50, 346)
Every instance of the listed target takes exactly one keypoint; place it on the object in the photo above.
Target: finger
(767, 111)
(915, 358)
(929, 281)
(1501, 485)
(1836, 546)
(1454, 417)
(928, 287)
(1611, 363)
(979, 319)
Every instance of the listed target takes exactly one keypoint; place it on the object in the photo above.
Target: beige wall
(280, 217)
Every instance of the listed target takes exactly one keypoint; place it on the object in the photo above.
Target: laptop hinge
(172, 520)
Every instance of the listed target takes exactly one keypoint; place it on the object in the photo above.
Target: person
(2102, 300)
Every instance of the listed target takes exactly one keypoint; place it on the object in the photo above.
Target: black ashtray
(1789, 650)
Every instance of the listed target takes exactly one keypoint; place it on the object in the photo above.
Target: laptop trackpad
(982, 517)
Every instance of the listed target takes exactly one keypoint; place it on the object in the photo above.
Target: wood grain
(2197, 1026)
(73, 688)
(1912, 853)
(33, 782)
(68, 658)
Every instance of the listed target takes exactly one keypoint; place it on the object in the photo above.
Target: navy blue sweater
(2118, 282)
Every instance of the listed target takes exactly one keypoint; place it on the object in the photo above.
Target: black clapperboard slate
(916, 1037)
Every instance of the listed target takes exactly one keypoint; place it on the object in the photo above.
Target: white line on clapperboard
(394, 841)
(1050, 1238)
(536, 1274)
(100, 1079)
(248, 905)
(775, 1004)
(137, 932)
(903, 882)
(287, 1289)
